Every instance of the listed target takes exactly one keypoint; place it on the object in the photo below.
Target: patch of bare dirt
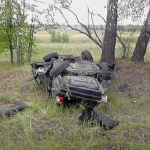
(137, 76)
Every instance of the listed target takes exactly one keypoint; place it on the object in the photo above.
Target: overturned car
(73, 79)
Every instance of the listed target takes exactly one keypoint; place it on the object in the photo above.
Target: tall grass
(77, 43)
(66, 48)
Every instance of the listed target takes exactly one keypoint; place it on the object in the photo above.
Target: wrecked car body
(72, 79)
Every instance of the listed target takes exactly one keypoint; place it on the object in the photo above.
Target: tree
(23, 17)
(7, 27)
(31, 38)
(142, 42)
(18, 34)
(108, 50)
(15, 31)
(25, 31)
(135, 9)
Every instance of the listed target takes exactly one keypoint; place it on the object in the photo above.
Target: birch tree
(109, 42)
(23, 32)
(15, 31)
(135, 10)
(18, 34)
(142, 42)
(7, 27)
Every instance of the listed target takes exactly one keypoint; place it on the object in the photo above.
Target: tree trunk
(18, 46)
(109, 42)
(11, 51)
(142, 42)
(30, 43)
(23, 33)
(10, 47)
(18, 39)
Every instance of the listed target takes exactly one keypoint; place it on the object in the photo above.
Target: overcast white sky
(80, 8)
(95, 6)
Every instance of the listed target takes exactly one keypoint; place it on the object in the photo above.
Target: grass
(45, 126)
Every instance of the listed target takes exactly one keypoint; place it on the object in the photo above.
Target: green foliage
(4, 98)
(53, 36)
(7, 29)
(65, 38)
(129, 28)
(9, 11)
(57, 37)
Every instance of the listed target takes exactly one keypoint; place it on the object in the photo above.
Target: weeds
(4, 98)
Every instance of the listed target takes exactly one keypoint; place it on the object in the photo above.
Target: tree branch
(86, 28)
(95, 30)
(120, 40)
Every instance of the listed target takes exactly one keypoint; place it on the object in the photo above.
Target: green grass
(66, 48)
(45, 126)
(77, 44)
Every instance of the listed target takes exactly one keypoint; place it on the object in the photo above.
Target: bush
(65, 38)
(56, 37)
(53, 37)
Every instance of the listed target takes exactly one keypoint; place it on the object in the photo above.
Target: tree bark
(109, 42)
(18, 39)
(30, 47)
(10, 45)
(11, 51)
(142, 42)
(23, 33)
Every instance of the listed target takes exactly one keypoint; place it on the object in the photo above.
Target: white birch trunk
(23, 32)
(18, 38)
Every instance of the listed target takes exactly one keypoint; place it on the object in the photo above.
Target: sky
(95, 6)
(80, 8)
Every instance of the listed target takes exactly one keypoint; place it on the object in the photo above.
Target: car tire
(48, 57)
(12, 109)
(86, 55)
(60, 68)
(105, 70)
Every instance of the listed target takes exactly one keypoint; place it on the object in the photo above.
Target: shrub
(56, 37)
(53, 36)
(65, 38)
